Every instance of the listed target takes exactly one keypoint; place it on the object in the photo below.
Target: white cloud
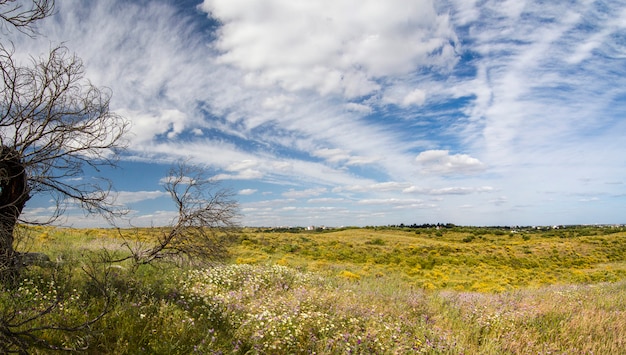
(360, 108)
(404, 96)
(465, 12)
(391, 202)
(241, 170)
(375, 187)
(373, 83)
(612, 24)
(455, 190)
(415, 97)
(360, 160)
(268, 205)
(332, 155)
(247, 191)
(459, 190)
(291, 193)
(247, 174)
(126, 197)
(156, 218)
(545, 76)
(413, 206)
(279, 102)
(185, 180)
(590, 199)
(336, 156)
(331, 46)
(441, 162)
(326, 200)
(168, 80)
(145, 126)
(246, 164)
(499, 201)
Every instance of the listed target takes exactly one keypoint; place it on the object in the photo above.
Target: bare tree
(53, 124)
(23, 14)
(206, 214)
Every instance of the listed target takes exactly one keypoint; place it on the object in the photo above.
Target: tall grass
(306, 293)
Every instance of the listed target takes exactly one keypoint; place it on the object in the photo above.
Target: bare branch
(54, 124)
(21, 16)
(58, 124)
(22, 329)
(207, 213)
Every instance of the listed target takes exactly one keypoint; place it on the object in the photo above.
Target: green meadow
(376, 290)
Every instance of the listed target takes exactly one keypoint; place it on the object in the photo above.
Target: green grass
(455, 259)
(363, 291)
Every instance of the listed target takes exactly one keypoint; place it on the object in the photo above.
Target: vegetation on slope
(470, 259)
(340, 292)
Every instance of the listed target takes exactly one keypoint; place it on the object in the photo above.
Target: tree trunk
(13, 197)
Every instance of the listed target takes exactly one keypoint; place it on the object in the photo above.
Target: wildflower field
(348, 291)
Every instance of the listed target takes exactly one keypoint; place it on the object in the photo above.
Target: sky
(363, 112)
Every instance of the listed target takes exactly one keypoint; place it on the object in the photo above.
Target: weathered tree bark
(13, 197)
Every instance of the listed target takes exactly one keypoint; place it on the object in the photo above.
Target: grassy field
(462, 259)
(357, 290)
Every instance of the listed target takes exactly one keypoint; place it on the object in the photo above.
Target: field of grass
(463, 259)
(349, 291)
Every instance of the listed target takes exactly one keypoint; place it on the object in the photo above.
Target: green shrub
(376, 241)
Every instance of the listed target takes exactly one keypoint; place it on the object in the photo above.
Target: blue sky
(364, 112)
